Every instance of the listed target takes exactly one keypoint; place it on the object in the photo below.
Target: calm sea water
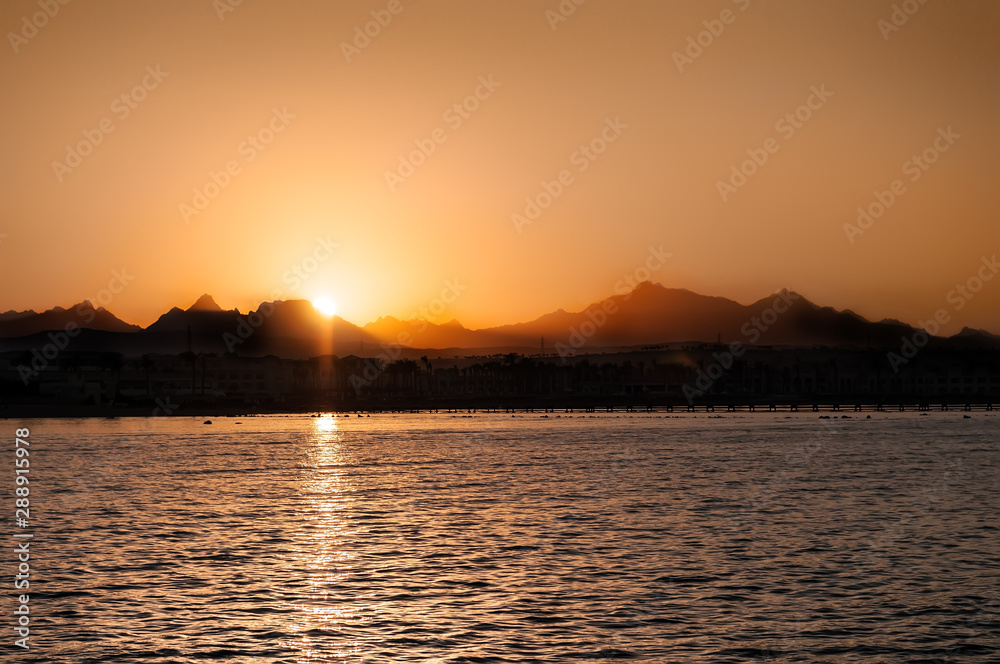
(436, 538)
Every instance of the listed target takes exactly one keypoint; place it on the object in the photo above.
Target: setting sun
(325, 306)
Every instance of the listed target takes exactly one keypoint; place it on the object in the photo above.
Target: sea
(499, 537)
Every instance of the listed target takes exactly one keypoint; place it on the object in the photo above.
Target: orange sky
(672, 129)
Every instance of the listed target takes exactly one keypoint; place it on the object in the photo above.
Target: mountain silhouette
(390, 330)
(202, 317)
(82, 315)
(205, 303)
(650, 314)
(295, 328)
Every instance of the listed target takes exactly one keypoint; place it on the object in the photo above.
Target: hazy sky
(330, 113)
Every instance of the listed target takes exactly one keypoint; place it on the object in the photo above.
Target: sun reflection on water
(322, 611)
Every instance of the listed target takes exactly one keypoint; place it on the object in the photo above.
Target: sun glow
(325, 306)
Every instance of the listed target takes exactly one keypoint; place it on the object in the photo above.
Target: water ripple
(423, 538)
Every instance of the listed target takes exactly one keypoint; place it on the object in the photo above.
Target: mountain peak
(85, 305)
(13, 315)
(647, 285)
(205, 303)
(83, 315)
(973, 332)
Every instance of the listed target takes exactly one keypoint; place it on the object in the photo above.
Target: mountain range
(650, 314)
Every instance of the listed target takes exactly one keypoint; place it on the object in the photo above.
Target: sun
(325, 306)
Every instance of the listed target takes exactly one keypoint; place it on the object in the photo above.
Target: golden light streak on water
(326, 492)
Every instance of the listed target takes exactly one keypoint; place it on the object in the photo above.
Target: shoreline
(824, 406)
